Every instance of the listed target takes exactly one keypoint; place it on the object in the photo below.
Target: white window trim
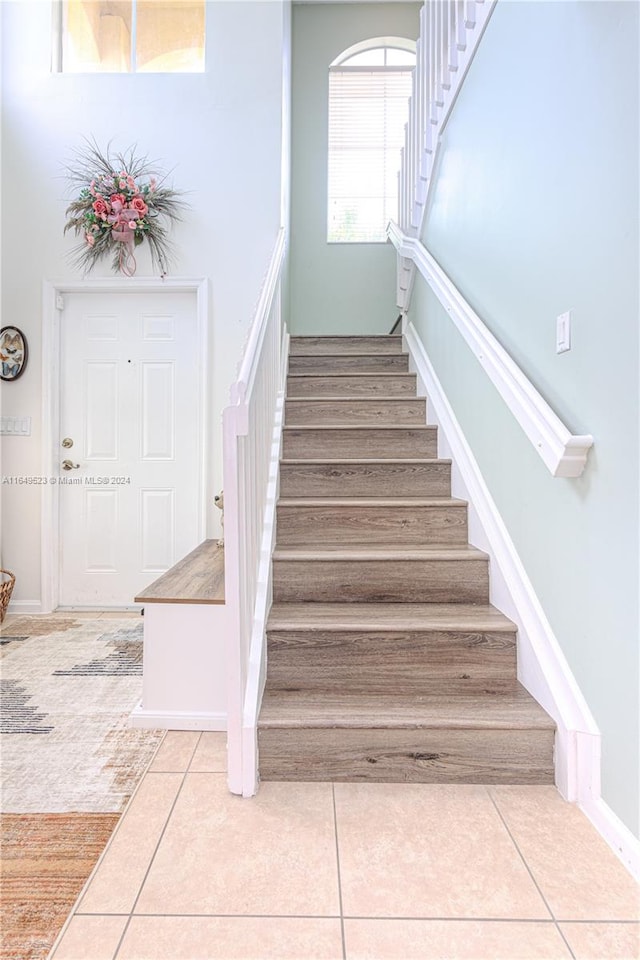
(397, 43)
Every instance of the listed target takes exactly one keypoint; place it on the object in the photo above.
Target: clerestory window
(369, 89)
(129, 36)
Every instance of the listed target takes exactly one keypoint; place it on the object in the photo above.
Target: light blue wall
(335, 288)
(534, 212)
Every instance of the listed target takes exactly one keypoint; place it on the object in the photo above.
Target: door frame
(53, 292)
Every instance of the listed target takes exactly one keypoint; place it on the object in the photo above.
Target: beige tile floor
(321, 871)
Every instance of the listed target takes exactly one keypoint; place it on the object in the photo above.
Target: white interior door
(131, 496)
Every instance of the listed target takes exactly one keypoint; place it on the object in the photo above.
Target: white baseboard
(542, 667)
(176, 720)
(622, 841)
(24, 607)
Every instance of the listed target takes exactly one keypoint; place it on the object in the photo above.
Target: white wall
(335, 288)
(534, 212)
(220, 132)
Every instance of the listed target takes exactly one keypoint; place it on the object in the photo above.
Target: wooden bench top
(197, 578)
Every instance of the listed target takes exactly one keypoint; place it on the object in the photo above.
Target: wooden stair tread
(372, 551)
(388, 617)
(354, 373)
(515, 709)
(197, 578)
(356, 399)
(371, 502)
(357, 426)
(365, 460)
(333, 344)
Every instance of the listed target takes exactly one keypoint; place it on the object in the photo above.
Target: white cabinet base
(183, 686)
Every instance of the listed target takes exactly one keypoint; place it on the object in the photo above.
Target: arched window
(369, 89)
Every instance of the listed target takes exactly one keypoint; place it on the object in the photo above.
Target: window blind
(368, 110)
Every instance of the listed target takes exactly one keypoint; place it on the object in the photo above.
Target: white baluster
(461, 32)
(453, 36)
(469, 14)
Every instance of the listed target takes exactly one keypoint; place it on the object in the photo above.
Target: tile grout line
(529, 871)
(155, 851)
(330, 916)
(335, 827)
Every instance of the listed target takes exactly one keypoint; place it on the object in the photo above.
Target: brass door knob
(67, 442)
(69, 465)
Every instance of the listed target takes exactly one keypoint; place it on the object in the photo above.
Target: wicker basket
(7, 580)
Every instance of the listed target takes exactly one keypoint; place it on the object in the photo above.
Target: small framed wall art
(13, 353)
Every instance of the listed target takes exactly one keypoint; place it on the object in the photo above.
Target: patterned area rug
(46, 859)
(68, 762)
(67, 689)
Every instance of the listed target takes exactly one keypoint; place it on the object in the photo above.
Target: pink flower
(91, 239)
(131, 184)
(139, 206)
(132, 224)
(101, 207)
(117, 198)
(92, 188)
(152, 184)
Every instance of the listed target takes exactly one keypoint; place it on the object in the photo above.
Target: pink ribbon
(124, 234)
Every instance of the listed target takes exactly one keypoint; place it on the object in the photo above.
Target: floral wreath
(116, 210)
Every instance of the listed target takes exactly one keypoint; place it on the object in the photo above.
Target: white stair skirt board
(542, 667)
(257, 670)
(176, 720)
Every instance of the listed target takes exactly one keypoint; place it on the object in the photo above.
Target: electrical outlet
(563, 332)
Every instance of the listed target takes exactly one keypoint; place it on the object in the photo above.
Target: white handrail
(250, 423)
(564, 454)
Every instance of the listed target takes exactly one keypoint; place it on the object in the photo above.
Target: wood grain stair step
(449, 739)
(337, 411)
(388, 442)
(384, 650)
(345, 573)
(381, 384)
(517, 708)
(409, 521)
(384, 343)
(365, 477)
(388, 616)
(351, 363)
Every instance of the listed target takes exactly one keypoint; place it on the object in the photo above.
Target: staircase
(386, 661)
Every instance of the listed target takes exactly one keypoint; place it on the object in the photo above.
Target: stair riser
(410, 412)
(306, 346)
(360, 443)
(403, 385)
(385, 523)
(374, 363)
(410, 756)
(343, 581)
(387, 663)
(365, 480)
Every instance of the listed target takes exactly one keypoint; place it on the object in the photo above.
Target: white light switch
(15, 426)
(563, 332)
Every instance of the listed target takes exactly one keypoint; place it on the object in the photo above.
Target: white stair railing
(450, 31)
(251, 432)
